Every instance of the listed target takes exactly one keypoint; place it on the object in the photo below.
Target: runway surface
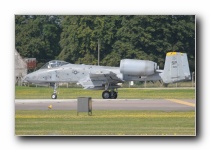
(109, 104)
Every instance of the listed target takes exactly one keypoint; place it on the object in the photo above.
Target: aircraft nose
(25, 79)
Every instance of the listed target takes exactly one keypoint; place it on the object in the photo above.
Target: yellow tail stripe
(181, 102)
(171, 53)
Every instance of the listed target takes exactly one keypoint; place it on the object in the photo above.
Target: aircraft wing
(96, 80)
(108, 76)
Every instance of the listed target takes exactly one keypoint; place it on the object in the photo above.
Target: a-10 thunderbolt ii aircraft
(106, 78)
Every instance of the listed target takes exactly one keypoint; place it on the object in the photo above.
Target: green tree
(76, 38)
(37, 36)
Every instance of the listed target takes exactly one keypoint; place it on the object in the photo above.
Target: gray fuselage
(73, 73)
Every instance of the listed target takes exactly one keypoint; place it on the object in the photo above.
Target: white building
(20, 68)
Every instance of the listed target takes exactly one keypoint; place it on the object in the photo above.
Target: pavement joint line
(181, 102)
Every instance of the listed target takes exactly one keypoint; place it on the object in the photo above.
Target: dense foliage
(76, 39)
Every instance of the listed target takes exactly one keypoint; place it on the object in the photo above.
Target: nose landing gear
(54, 95)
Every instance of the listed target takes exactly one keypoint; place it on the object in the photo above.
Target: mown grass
(123, 93)
(140, 123)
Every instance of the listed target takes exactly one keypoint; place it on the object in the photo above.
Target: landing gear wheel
(106, 94)
(114, 95)
(54, 96)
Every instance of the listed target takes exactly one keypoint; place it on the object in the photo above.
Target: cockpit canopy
(53, 64)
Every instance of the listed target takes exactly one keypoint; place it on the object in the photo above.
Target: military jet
(107, 78)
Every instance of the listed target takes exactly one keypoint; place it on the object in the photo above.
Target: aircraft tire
(114, 96)
(106, 94)
(54, 96)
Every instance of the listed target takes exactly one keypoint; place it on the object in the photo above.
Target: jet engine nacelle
(137, 67)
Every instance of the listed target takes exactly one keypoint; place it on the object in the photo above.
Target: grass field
(104, 122)
(123, 93)
(140, 123)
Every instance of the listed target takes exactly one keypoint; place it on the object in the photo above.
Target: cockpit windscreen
(53, 64)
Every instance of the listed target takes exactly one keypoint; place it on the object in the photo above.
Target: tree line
(76, 38)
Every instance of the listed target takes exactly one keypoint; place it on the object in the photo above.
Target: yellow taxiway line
(181, 102)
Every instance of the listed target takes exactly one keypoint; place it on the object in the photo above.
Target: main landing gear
(109, 94)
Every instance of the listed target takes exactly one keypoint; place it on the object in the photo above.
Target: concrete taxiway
(108, 104)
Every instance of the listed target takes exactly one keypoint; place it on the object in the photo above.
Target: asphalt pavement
(109, 104)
